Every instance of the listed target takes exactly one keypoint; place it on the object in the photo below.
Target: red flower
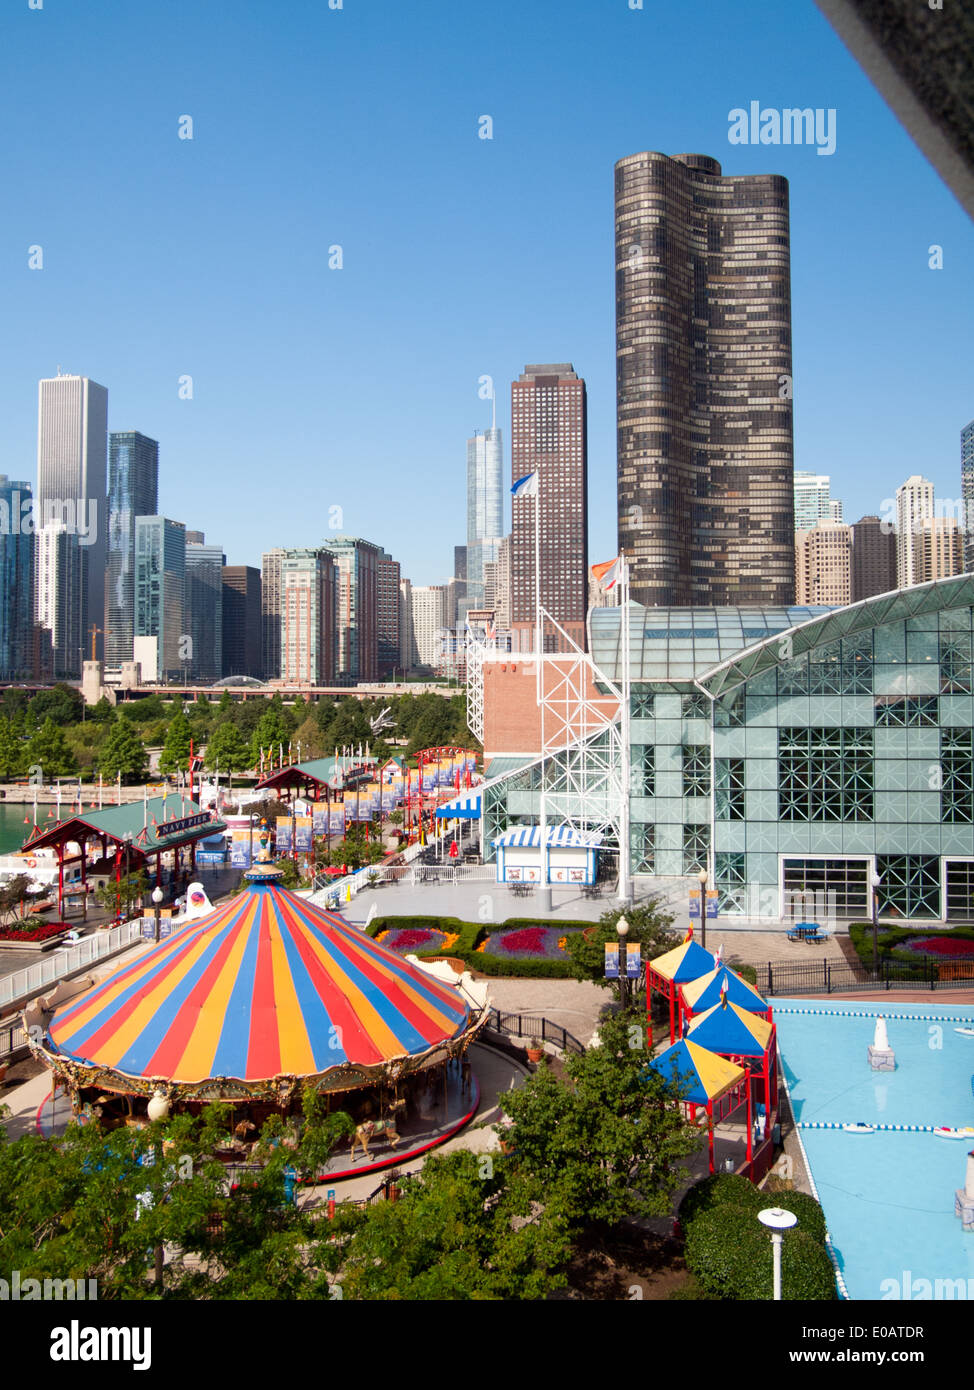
(942, 946)
(529, 940)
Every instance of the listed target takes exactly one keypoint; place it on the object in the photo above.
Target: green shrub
(693, 1291)
(811, 1217)
(469, 937)
(720, 1189)
(730, 1253)
(891, 941)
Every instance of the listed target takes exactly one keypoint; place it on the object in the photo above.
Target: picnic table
(521, 890)
(807, 931)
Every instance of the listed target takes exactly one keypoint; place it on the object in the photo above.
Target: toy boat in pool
(965, 1032)
(860, 1127)
(947, 1132)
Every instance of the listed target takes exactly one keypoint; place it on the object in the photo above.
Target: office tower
(408, 655)
(813, 502)
(160, 583)
(387, 580)
(873, 558)
(16, 578)
(195, 538)
(203, 605)
(72, 435)
(967, 491)
(270, 609)
(241, 621)
(357, 561)
(429, 622)
(497, 586)
(485, 508)
(309, 610)
(549, 437)
(914, 504)
(57, 601)
(459, 562)
(823, 565)
(940, 548)
(703, 349)
(133, 490)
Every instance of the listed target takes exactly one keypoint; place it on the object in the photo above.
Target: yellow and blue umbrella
(700, 1074)
(731, 1030)
(705, 992)
(686, 962)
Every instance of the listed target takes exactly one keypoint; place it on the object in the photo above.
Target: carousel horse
(371, 1129)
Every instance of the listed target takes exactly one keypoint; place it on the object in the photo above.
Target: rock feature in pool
(964, 1197)
(879, 1052)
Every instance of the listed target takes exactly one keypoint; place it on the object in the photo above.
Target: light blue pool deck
(888, 1196)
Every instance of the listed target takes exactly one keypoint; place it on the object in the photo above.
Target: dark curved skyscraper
(703, 379)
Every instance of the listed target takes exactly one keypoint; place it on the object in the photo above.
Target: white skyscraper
(429, 611)
(813, 502)
(914, 504)
(485, 509)
(72, 446)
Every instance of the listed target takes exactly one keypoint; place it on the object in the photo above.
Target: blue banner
(302, 833)
(633, 960)
(319, 820)
(283, 841)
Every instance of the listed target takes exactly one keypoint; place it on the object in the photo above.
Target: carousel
(256, 1000)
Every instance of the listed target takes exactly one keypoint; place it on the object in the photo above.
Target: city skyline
(478, 236)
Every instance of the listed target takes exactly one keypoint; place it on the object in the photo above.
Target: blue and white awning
(559, 837)
(466, 807)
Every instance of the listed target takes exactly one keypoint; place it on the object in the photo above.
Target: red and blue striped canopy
(267, 985)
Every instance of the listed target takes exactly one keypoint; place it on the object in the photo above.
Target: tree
(609, 1141)
(309, 738)
(126, 894)
(648, 925)
(49, 750)
(103, 712)
(271, 735)
(175, 753)
(228, 750)
(12, 896)
(122, 752)
(62, 703)
(12, 750)
(144, 710)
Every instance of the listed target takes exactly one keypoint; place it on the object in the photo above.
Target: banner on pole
(282, 844)
(612, 960)
(634, 960)
(302, 833)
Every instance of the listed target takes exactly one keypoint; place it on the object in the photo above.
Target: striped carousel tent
(264, 992)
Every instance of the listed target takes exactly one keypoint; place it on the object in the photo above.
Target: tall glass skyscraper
(967, 491)
(485, 508)
(203, 611)
(703, 373)
(133, 490)
(72, 437)
(160, 579)
(16, 578)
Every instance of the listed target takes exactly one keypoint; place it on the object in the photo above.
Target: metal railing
(528, 1026)
(59, 964)
(831, 976)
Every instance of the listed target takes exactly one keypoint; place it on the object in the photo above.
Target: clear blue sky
(357, 388)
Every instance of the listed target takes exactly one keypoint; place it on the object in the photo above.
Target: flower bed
(34, 933)
(405, 940)
(537, 943)
(939, 946)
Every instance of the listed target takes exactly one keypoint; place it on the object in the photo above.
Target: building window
(696, 843)
(838, 668)
(957, 775)
(956, 663)
(642, 704)
(911, 711)
(731, 881)
(825, 774)
(729, 711)
(642, 769)
(642, 848)
(729, 800)
(823, 888)
(696, 769)
(909, 884)
(695, 706)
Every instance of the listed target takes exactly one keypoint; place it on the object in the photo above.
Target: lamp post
(777, 1220)
(874, 883)
(157, 896)
(622, 928)
(702, 875)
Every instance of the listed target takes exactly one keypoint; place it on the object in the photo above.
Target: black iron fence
(831, 976)
(528, 1026)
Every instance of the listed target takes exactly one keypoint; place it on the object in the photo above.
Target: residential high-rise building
(813, 502)
(203, 610)
(358, 652)
(241, 621)
(408, 655)
(873, 558)
(57, 601)
(72, 437)
(703, 355)
(459, 562)
(160, 584)
(939, 548)
(429, 615)
(16, 578)
(485, 509)
(309, 607)
(133, 490)
(387, 580)
(497, 586)
(549, 437)
(967, 491)
(270, 608)
(914, 504)
(823, 565)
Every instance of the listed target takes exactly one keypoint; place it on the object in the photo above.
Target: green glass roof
(143, 822)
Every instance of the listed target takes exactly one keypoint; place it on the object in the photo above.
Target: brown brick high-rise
(703, 379)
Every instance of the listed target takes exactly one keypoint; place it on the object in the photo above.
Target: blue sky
(357, 388)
